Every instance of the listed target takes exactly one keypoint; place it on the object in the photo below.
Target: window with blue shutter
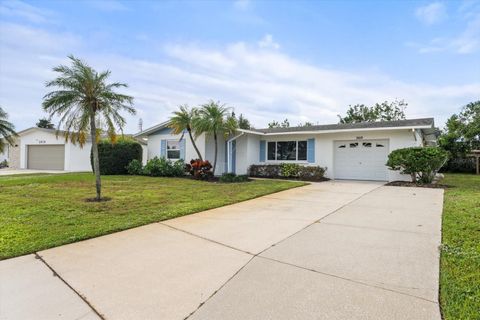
(262, 151)
(311, 150)
(163, 148)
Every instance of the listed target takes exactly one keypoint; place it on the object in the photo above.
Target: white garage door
(361, 159)
(46, 157)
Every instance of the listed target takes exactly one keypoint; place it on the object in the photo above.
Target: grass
(460, 255)
(43, 211)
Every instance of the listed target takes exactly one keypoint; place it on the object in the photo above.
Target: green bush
(161, 167)
(420, 163)
(289, 169)
(114, 157)
(311, 172)
(232, 177)
(135, 167)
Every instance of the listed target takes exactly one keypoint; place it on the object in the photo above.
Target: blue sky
(302, 60)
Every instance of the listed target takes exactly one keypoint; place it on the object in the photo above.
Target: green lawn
(43, 211)
(460, 256)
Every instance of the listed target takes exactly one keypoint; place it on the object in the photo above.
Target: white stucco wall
(76, 158)
(210, 152)
(248, 147)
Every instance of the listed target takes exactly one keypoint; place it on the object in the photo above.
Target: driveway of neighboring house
(331, 250)
(9, 171)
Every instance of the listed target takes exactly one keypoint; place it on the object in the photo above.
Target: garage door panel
(361, 160)
(46, 157)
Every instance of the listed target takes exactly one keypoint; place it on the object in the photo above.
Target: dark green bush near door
(114, 157)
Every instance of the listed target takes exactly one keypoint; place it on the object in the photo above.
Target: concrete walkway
(332, 250)
(9, 171)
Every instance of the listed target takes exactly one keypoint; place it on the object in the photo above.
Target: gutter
(228, 149)
(331, 131)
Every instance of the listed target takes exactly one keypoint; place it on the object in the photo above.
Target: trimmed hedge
(288, 170)
(232, 177)
(421, 163)
(115, 157)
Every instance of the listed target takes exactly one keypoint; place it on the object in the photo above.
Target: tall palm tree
(82, 99)
(215, 119)
(7, 130)
(182, 120)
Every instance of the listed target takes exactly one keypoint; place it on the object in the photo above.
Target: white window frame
(296, 151)
(179, 152)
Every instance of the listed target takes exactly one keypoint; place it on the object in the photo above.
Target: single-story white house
(355, 151)
(47, 149)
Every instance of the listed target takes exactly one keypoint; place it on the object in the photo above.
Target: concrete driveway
(9, 171)
(332, 250)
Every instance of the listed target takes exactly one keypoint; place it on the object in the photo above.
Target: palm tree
(215, 119)
(7, 130)
(183, 120)
(82, 99)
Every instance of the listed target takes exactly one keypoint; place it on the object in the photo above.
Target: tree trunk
(96, 160)
(194, 144)
(216, 150)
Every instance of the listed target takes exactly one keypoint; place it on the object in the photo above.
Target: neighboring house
(47, 149)
(356, 151)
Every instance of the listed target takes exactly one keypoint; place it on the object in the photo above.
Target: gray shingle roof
(362, 125)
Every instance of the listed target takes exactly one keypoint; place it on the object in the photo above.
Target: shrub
(420, 163)
(135, 167)
(288, 170)
(232, 177)
(264, 171)
(311, 172)
(200, 169)
(4, 164)
(114, 157)
(161, 167)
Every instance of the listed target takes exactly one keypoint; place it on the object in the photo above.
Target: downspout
(228, 150)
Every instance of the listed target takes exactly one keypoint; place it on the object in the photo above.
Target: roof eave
(333, 130)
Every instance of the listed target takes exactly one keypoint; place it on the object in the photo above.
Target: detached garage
(43, 149)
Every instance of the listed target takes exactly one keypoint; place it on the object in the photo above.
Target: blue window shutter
(182, 149)
(163, 148)
(311, 150)
(262, 150)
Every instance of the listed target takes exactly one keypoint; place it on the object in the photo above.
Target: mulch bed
(412, 184)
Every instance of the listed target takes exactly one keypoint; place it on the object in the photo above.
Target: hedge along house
(356, 151)
(47, 149)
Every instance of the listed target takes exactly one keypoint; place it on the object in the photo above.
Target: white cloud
(267, 42)
(262, 83)
(431, 14)
(465, 42)
(23, 10)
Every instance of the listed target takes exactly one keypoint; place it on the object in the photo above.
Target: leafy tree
(215, 119)
(82, 97)
(244, 123)
(45, 123)
(182, 120)
(385, 111)
(7, 130)
(461, 134)
(276, 124)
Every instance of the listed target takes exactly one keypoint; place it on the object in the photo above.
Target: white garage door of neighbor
(46, 157)
(361, 159)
